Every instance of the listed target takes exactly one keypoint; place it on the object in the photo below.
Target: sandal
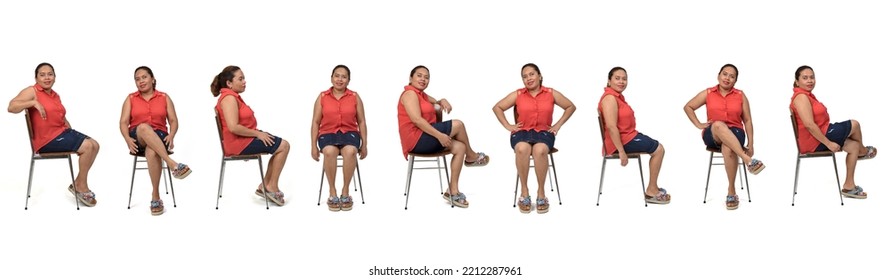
(182, 170)
(157, 207)
(459, 200)
(870, 153)
(482, 160)
(334, 203)
(525, 204)
(276, 197)
(732, 202)
(856, 192)
(346, 203)
(87, 198)
(755, 166)
(543, 205)
(661, 198)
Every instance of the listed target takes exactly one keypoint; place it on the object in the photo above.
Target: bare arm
(567, 106)
(805, 113)
(316, 121)
(24, 100)
(696, 102)
(230, 112)
(172, 118)
(412, 107)
(360, 117)
(125, 120)
(610, 120)
(499, 108)
(749, 123)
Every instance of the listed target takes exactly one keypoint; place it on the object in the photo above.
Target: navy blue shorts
(257, 146)
(532, 137)
(427, 144)
(837, 133)
(641, 144)
(708, 137)
(340, 140)
(141, 150)
(67, 141)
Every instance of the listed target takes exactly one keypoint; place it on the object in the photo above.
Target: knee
(457, 125)
(348, 151)
(540, 150)
(522, 149)
(851, 146)
(458, 148)
(854, 125)
(659, 150)
(144, 128)
(284, 147)
(719, 125)
(330, 151)
(150, 154)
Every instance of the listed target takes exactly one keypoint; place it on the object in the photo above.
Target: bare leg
(856, 135)
(459, 132)
(731, 163)
(154, 172)
(852, 148)
(459, 150)
(724, 136)
(87, 155)
(654, 168)
(349, 163)
(147, 137)
(523, 150)
(276, 164)
(539, 153)
(330, 167)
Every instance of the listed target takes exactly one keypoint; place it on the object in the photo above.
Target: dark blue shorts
(141, 150)
(427, 144)
(708, 137)
(532, 137)
(68, 141)
(340, 140)
(641, 144)
(837, 133)
(257, 146)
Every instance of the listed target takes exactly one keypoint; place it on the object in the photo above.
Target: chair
(616, 157)
(802, 155)
(222, 168)
(355, 183)
(429, 158)
(531, 160)
(42, 156)
(166, 175)
(743, 174)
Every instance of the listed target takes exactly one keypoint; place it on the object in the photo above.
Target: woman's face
(618, 82)
(727, 78)
(531, 78)
(238, 83)
(144, 81)
(420, 79)
(46, 77)
(807, 80)
(340, 79)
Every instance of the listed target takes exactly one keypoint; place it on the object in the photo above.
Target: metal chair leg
(602, 176)
(132, 181)
(30, 179)
(163, 174)
(222, 173)
(642, 182)
(320, 185)
(839, 191)
(360, 187)
(708, 180)
(71, 168)
(796, 175)
(172, 191)
(263, 181)
(555, 178)
(408, 182)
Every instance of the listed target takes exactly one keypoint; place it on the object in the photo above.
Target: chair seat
(629, 155)
(245, 157)
(554, 150)
(142, 154)
(818, 154)
(439, 154)
(54, 155)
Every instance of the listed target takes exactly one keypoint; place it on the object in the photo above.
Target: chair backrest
(438, 112)
(796, 135)
(599, 121)
(30, 132)
(219, 130)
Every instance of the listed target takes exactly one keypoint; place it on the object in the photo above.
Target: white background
(474, 51)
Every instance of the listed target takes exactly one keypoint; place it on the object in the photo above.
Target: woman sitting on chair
(338, 128)
(143, 125)
(729, 119)
(421, 134)
(622, 136)
(817, 134)
(240, 134)
(534, 132)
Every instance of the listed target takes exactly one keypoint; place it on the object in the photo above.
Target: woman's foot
(525, 204)
(659, 197)
(732, 202)
(480, 160)
(157, 207)
(854, 192)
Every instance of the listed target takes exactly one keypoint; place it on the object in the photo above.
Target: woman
(420, 133)
(534, 133)
(240, 134)
(143, 125)
(52, 133)
(622, 135)
(816, 133)
(729, 119)
(338, 128)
